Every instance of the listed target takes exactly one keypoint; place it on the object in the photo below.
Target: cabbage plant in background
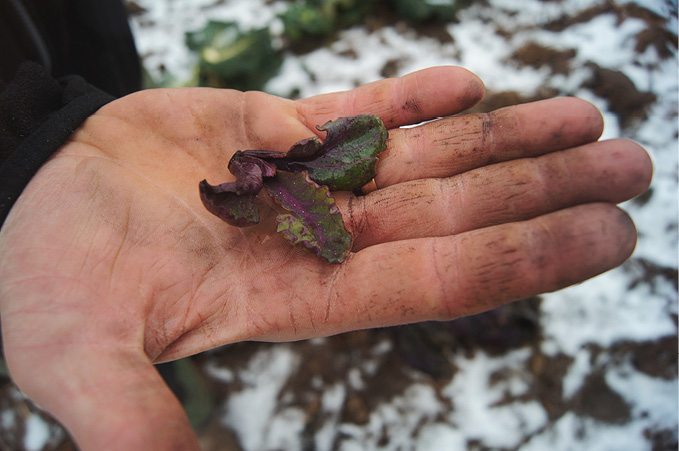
(306, 21)
(231, 58)
(419, 11)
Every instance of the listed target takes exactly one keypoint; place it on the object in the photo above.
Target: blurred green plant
(312, 19)
(231, 58)
(420, 11)
(191, 387)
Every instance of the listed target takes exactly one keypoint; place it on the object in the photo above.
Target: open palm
(109, 262)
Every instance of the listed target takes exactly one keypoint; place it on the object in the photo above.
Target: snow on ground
(489, 401)
(264, 378)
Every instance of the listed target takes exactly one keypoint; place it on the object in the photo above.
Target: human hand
(109, 262)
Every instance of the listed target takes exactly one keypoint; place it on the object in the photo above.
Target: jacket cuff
(38, 114)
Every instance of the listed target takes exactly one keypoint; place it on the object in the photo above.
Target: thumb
(112, 400)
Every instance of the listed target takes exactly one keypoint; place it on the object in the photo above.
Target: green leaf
(348, 157)
(314, 219)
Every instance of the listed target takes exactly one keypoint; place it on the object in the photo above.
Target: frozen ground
(592, 367)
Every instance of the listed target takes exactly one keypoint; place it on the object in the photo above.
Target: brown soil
(537, 56)
(610, 85)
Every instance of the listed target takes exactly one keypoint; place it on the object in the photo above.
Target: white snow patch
(484, 52)
(654, 401)
(251, 411)
(440, 436)
(219, 373)
(332, 401)
(37, 433)
(355, 379)
(285, 430)
(591, 436)
(476, 400)
(398, 419)
(8, 419)
(577, 373)
(333, 398)
(603, 310)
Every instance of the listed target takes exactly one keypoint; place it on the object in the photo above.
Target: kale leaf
(300, 181)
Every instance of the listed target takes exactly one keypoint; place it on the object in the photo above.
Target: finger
(413, 98)
(457, 144)
(110, 400)
(610, 171)
(448, 277)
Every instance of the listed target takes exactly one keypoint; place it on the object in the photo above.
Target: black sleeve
(90, 38)
(37, 116)
(44, 104)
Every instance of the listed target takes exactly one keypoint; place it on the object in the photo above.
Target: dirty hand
(109, 262)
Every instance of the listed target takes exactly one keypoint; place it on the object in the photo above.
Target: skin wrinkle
(246, 129)
(291, 317)
(170, 337)
(174, 349)
(490, 274)
(199, 122)
(351, 216)
(415, 144)
(386, 157)
(17, 282)
(185, 323)
(334, 283)
(549, 172)
(410, 104)
(456, 192)
(283, 285)
(85, 137)
(350, 102)
(364, 226)
(383, 102)
(117, 253)
(92, 240)
(305, 112)
(300, 114)
(310, 314)
(441, 272)
(488, 135)
(528, 185)
(541, 241)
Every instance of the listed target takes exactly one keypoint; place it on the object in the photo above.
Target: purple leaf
(223, 202)
(249, 172)
(314, 219)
